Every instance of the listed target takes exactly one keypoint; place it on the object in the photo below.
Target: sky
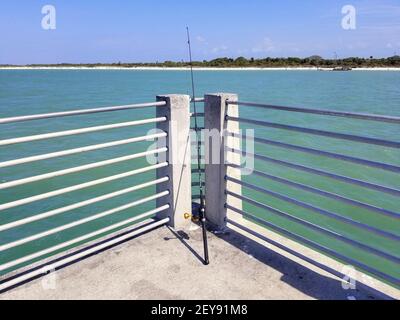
(90, 31)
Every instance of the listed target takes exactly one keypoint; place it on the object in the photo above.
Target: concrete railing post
(177, 126)
(217, 136)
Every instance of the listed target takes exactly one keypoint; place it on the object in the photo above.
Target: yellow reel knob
(187, 216)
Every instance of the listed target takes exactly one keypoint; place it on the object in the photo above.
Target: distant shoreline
(196, 68)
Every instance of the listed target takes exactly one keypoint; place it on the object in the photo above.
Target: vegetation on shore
(242, 62)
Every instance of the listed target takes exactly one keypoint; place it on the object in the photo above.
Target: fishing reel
(194, 217)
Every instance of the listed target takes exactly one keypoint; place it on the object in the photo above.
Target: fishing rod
(202, 209)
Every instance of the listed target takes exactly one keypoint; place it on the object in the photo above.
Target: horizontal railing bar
(362, 116)
(317, 246)
(79, 131)
(323, 193)
(46, 176)
(82, 221)
(334, 176)
(138, 229)
(69, 152)
(329, 134)
(77, 187)
(80, 112)
(319, 211)
(197, 100)
(82, 238)
(198, 114)
(322, 230)
(81, 204)
(369, 163)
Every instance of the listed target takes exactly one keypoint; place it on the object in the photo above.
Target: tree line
(290, 62)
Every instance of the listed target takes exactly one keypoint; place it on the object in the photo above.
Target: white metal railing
(81, 204)
(85, 167)
(161, 180)
(64, 153)
(79, 131)
(375, 249)
(326, 112)
(83, 238)
(80, 112)
(223, 181)
(77, 187)
(82, 221)
(56, 264)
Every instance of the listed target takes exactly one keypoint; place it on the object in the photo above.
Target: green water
(38, 91)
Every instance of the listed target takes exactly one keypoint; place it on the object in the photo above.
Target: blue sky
(154, 30)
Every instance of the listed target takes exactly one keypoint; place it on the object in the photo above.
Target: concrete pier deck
(163, 265)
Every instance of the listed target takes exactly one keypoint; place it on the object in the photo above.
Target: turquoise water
(41, 91)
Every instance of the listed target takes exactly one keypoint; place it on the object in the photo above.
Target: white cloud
(219, 49)
(242, 51)
(266, 45)
(357, 45)
(201, 39)
(391, 45)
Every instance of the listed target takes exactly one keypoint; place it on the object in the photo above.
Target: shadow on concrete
(183, 238)
(298, 276)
